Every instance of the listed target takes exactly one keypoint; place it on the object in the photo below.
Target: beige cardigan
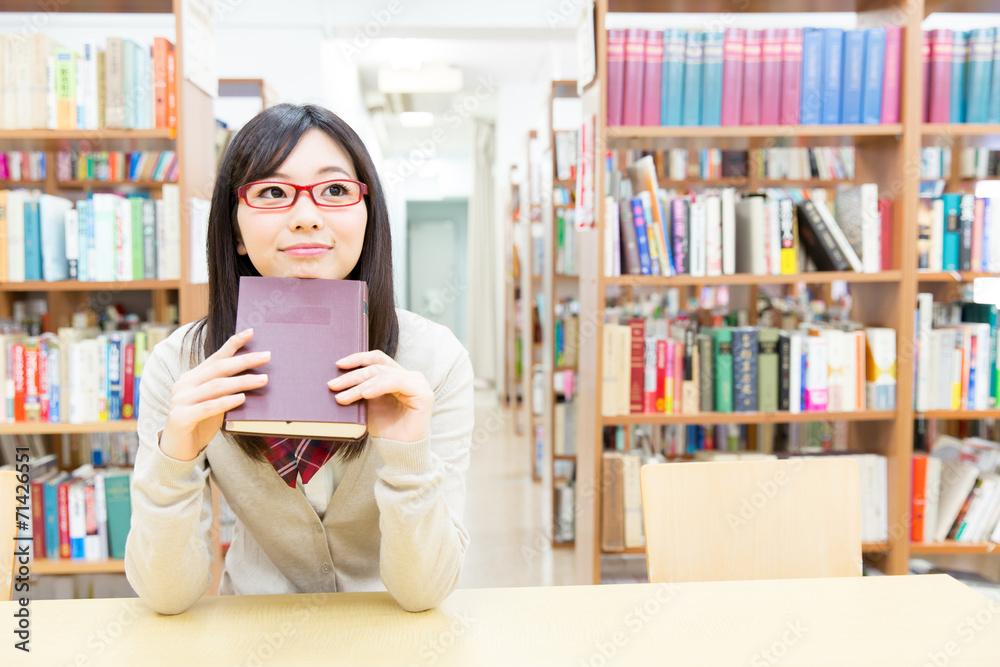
(395, 521)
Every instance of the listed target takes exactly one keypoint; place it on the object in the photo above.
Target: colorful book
(672, 83)
(652, 76)
(959, 58)
(732, 76)
(871, 102)
(752, 52)
(711, 86)
(635, 64)
(693, 77)
(770, 76)
(892, 73)
(833, 61)
(791, 76)
(812, 76)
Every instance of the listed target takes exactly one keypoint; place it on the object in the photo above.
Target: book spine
(128, 383)
(833, 61)
(616, 76)
(853, 76)
(693, 77)
(637, 365)
(652, 74)
(966, 223)
(661, 375)
(631, 257)
(818, 241)
(812, 76)
(732, 76)
(706, 388)
(160, 82)
(646, 251)
(649, 372)
(682, 261)
(37, 502)
(635, 61)
(791, 76)
(993, 109)
(43, 380)
(959, 57)
(939, 105)
(711, 93)
(786, 228)
(767, 370)
(752, 52)
(63, 513)
(871, 102)
(815, 384)
(892, 73)
(745, 369)
(925, 59)
(784, 370)
(51, 521)
(770, 76)
(723, 339)
(980, 74)
(674, 56)
(881, 368)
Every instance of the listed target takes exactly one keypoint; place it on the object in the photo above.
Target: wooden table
(884, 621)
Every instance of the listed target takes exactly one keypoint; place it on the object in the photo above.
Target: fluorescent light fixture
(428, 79)
(416, 119)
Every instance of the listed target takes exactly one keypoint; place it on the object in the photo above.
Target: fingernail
(264, 375)
(246, 332)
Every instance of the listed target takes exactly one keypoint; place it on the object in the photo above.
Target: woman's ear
(240, 248)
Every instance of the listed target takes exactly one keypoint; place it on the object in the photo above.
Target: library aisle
(506, 514)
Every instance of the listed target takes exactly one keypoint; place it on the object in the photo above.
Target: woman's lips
(307, 252)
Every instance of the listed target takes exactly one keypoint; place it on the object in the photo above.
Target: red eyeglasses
(273, 195)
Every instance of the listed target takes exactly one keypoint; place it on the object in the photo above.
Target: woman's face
(305, 240)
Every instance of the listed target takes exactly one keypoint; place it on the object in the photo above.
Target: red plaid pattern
(292, 455)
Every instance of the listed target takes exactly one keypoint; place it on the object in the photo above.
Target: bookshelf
(512, 290)
(532, 280)
(558, 286)
(193, 141)
(885, 299)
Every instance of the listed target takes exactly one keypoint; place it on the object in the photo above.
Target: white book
(957, 480)
(634, 537)
(713, 235)
(849, 391)
(610, 231)
(881, 384)
(982, 365)
(624, 359)
(932, 495)
(72, 243)
(936, 261)
(816, 375)
(795, 372)
(838, 236)
(925, 311)
(728, 213)
(52, 213)
(101, 510)
(773, 237)
(882, 464)
(609, 379)
(15, 235)
(697, 238)
(750, 236)
(104, 267)
(51, 112)
(835, 353)
(993, 220)
(871, 229)
(77, 510)
(90, 93)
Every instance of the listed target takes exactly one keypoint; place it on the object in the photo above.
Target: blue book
(672, 85)
(711, 84)
(52, 225)
(114, 374)
(993, 112)
(32, 241)
(952, 231)
(959, 56)
(84, 211)
(854, 76)
(692, 77)
(833, 66)
(51, 508)
(641, 239)
(979, 75)
(812, 76)
(871, 100)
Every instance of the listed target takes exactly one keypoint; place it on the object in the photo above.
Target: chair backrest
(734, 520)
(8, 531)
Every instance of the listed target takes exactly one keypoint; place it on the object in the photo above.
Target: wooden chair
(8, 531)
(725, 521)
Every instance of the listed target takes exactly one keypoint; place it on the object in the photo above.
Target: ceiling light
(416, 119)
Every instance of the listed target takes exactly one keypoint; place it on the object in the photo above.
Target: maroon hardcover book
(939, 104)
(732, 75)
(750, 113)
(616, 75)
(791, 76)
(306, 325)
(770, 76)
(635, 76)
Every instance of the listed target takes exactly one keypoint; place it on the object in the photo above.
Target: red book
(128, 383)
(635, 65)
(925, 55)
(885, 216)
(17, 357)
(939, 105)
(732, 75)
(661, 376)
(750, 113)
(770, 76)
(616, 76)
(791, 76)
(892, 73)
(919, 503)
(160, 81)
(329, 318)
(637, 326)
(678, 377)
(668, 388)
(653, 77)
(62, 495)
(38, 516)
(43, 379)
(171, 87)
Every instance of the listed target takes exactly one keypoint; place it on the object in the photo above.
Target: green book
(138, 270)
(986, 313)
(119, 503)
(723, 343)
(767, 369)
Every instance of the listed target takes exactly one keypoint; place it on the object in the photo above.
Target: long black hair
(255, 153)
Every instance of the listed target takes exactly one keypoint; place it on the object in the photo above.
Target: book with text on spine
(306, 325)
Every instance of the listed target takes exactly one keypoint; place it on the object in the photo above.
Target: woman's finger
(348, 380)
(369, 358)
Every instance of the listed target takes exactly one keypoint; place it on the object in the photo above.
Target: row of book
(80, 375)
(106, 237)
(564, 413)
(958, 232)
(566, 252)
(117, 166)
(83, 515)
(956, 491)
(795, 163)
(961, 72)
(655, 366)
(122, 85)
(566, 148)
(567, 332)
(621, 499)
(22, 166)
(973, 163)
(956, 355)
(792, 76)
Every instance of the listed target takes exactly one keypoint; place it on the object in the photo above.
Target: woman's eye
(336, 190)
(273, 193)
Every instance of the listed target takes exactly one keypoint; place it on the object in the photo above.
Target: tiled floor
(506, 513)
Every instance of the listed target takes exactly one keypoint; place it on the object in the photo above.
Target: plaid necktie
(299, 455)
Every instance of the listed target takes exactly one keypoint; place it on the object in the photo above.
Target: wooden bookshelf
(951, 547)
(952, 276)
(959, 414)
(85, 286)
(960, 129)
(885, 299)
(46, 566)
(49, 428)
(532, 284)
(87, 135)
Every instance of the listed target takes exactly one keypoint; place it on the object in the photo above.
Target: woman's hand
(201, 396)
(400, 402)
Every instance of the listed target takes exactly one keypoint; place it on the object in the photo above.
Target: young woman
(297, 195)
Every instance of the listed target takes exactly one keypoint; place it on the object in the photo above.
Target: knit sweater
(395, 521)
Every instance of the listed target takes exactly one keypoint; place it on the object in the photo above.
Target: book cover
(767, 369)
(817, 240)
(966, 220)
(629, 242)
(871, 101)
(634, 76)
(770, 76)
(672, 80)
(892, 73)
(327, 317)
(32, 240)
(637, 376)
(711, 87)
(791, 76)
(732, 76)
(752, 52)
(706, 383)
(925, 88)
(816, 375)
(722, 339)
(693, 55)
(880, 361)
(980, 74)
(784, 369)
(652, 77)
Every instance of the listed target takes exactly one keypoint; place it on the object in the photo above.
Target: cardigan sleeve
(420, 492)
(168, 554)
